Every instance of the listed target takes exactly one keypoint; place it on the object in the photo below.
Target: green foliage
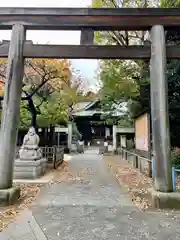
(25, 116)
(43, 87)
(118, 82)
(122, 80)
(101, 4)
(129, 81)
(125, 122)
(124, 3)
(175, 157)
(169, 3)
(53, 112)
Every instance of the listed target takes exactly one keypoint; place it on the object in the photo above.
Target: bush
(175, 157)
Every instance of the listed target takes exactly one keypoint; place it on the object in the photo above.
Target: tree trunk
(34, 119)
(33, 112)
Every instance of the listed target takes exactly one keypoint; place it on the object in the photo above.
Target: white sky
(86, 67)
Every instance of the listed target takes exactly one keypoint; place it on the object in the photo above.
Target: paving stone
(96, 208)
(24, 228)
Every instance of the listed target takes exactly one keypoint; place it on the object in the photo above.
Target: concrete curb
(25, 227)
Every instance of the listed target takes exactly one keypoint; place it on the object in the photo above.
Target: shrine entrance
(155, 20)
(90, 123)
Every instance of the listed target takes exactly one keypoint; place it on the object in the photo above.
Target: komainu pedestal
(30, 164)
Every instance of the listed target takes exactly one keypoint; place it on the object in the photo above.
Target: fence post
(174, 178)
(153, 167)
(149, 168)
(136, 161)
(54, 157)
(140, 165)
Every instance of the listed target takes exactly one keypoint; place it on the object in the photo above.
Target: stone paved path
(96, 208)
(91, 205)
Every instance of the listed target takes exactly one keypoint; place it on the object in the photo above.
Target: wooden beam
(81, 51)
(87, 37)
(88, 51)
(89, 18)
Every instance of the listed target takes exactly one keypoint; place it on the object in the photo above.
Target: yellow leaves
(38, 70)
(52, 71)
(29, 192)
(65, 63)
(91, 96)
(46, 66)
(101, 4)
(3, 61)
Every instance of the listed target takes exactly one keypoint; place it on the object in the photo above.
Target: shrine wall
(142, 133)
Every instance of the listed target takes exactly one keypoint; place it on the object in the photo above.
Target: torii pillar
(10, 115)
(162, 196)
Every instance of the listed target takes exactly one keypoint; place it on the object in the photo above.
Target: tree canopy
(49, 89)
(129, 81)
(121, 79)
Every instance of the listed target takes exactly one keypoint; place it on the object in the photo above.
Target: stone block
(9, 196)
(29, 169)
(163, 200)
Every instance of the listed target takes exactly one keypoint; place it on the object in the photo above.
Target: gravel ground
(90, 204)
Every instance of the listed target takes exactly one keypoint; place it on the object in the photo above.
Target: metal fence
(142, 163)
(54, 155)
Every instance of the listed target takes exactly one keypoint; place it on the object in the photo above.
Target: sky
(86, 67)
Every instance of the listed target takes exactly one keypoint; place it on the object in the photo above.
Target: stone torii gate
(87, 20)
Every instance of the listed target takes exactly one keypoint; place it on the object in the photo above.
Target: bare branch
(114, 3)
(25, 107)
(35, 69)
(118, 40)
(23, 123)
(40, 103)
(2, 75)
